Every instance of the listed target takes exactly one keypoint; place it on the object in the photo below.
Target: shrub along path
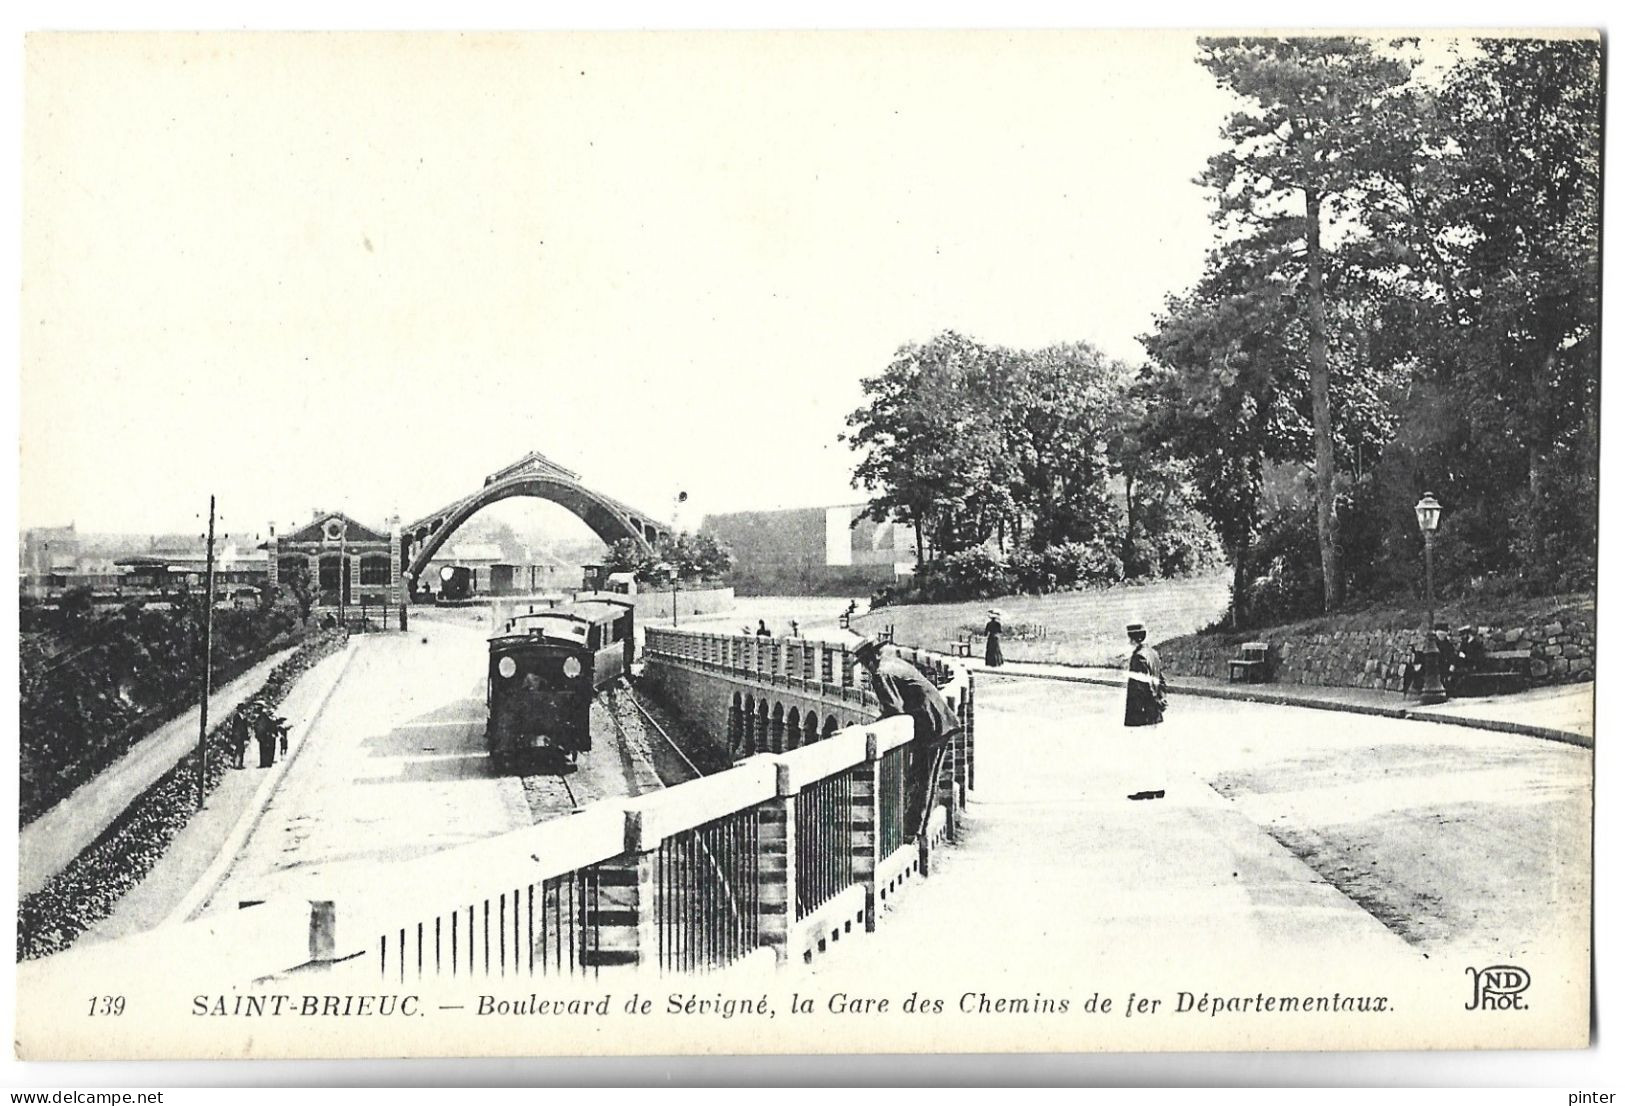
(49, 842)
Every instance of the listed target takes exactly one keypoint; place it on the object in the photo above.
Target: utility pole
(208, 660)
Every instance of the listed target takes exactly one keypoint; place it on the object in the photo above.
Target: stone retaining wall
(1560, 652)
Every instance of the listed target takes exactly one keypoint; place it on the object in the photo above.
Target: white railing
(782, 852)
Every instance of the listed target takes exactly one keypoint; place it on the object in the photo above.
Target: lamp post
(671, 571)
(1427, 520)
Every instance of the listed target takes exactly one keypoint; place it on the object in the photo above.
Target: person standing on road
(239, 740)
(266, 737)
(904, 689)
(995, 652)
(1147, 699)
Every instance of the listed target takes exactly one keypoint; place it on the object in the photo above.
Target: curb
(1408, 714)
(213, 876)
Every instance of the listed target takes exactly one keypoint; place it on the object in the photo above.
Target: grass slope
(1079, 627)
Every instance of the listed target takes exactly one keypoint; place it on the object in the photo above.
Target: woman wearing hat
(995, 653)
(1147, 698)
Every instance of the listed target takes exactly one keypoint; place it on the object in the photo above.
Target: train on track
(456, 584)
(544, 669)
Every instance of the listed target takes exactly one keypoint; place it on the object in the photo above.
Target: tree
(1316, 126)
(77, 605)
(296, 583)
(1062, 410)
(1215, 396)
(933, 450)
(691, 557)
(1511, 219)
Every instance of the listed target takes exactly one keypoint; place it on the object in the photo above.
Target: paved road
(1287, 835)
(395, 768)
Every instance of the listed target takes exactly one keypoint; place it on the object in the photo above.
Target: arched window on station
(830, 726)
(792, 728)
(810, 732)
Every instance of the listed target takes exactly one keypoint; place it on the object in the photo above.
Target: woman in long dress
(1147, 697)
(995, 652)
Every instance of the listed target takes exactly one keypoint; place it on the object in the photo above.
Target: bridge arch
(537, 477)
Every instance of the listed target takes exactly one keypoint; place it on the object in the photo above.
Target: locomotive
(456, 583)
(544, 669)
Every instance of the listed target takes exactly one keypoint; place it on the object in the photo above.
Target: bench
(961, 645)
(1503, 673)
(1253, 666)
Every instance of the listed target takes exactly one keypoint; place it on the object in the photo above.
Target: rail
(782, 852)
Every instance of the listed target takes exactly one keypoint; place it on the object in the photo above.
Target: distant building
(813, 550)
(352, 565)
(46, 557)
(235, 571)
(498, 573)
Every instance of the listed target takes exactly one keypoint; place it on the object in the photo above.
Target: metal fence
(706, 894)
(547, 928)
(823, 841)
(891, 802)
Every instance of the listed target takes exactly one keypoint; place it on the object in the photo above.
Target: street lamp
(672, 571)
(1427, 520)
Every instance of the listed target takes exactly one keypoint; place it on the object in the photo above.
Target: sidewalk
(48, 843)
(1555, 713)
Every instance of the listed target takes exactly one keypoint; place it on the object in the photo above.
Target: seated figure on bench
(1469, 651)
(1412, 677)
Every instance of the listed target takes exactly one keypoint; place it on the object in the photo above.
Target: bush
(968, 574)
(885, 596)
(1032, 573)
(90, 887)
(1080, 564)
(114, 680)
(1288, 586)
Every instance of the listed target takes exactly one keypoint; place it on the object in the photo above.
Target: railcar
(544, 669)
(456, 583)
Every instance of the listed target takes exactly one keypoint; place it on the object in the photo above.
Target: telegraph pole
(208, 660)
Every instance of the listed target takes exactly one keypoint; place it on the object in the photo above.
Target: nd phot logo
(1498, 988)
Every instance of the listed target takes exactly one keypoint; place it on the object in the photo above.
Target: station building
(351, 564)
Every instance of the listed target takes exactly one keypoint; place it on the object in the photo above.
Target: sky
(364, 271)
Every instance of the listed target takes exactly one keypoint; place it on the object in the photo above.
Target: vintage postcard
(657, 543)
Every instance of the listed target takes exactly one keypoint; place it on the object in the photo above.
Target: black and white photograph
(690, 543)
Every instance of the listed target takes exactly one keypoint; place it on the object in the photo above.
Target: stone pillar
(323, 930)
(271, 580)
(943, 788)
(866, 829)
(776, 868)
(623, 906)
(970, 731)
(397, 585)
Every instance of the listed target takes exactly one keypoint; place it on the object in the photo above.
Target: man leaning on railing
(903, 689)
